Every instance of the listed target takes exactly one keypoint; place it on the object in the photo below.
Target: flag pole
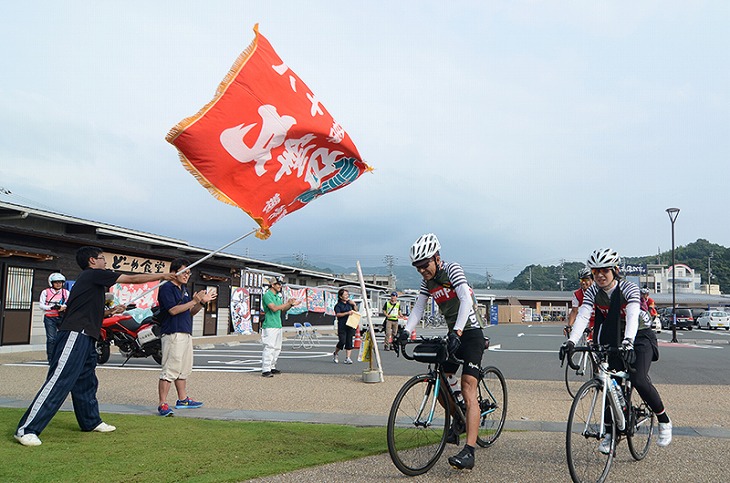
(217, 251)
(371, 329)
(195, 263)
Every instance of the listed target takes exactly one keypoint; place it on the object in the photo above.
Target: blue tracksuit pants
(72, 369)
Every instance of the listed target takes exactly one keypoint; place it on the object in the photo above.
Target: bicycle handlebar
(401, 348)
(602, 351)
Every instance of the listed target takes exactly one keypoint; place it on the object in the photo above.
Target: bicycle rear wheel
(492, 397)
(642, 427)
(575, 378)
(583, 436)
(416, 438)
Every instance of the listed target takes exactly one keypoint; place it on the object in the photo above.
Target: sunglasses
(604, 271)
(422, 265)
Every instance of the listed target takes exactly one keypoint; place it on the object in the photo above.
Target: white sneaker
(605, 446)
(28, 439)
(665, 434)
(104, 428)
(348, 361)
(335, 359)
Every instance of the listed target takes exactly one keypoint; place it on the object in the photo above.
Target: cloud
(519, 132)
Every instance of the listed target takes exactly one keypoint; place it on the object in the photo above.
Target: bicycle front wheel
(575, 378)
(492, 397)
(641, 427)
(584, 435)
(417, 426)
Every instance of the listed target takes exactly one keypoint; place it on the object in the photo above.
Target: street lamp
(673, 212)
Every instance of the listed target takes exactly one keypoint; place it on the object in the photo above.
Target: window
(20, 289)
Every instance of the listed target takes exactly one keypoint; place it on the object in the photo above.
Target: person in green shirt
(271, 331)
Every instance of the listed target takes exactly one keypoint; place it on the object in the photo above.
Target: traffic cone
(413, 334)
(358, 340)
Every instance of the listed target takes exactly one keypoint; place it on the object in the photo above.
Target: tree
(695, 255)
(548, 278)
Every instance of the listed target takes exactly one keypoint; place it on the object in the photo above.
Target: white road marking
(520, 334)
(525, 350)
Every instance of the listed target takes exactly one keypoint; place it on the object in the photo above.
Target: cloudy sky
(519, 132)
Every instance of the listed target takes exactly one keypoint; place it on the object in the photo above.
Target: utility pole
(389, 261)
(531, 278)
(301, 258)
(562, 273)
(709, 272)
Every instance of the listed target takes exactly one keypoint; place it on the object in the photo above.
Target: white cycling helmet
(55, 277)
(603, 258)
(585, 272)
(425, 247)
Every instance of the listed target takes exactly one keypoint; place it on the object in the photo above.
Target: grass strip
(150, 448)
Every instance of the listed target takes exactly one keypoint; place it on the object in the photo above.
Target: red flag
(265, 143)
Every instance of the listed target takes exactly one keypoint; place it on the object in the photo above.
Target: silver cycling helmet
(55, 277)
(585, 272)
(644, 317)
(644, 291)
(603, 258)
(425, 247)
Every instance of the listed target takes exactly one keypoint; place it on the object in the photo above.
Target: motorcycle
(134, 339)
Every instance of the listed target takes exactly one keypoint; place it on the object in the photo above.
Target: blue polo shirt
(168, 297)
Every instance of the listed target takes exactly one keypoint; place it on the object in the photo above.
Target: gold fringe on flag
(179, 128)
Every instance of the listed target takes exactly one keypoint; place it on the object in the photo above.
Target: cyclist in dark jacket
(616, 305)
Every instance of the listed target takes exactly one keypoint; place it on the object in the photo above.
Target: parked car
(664, 313)
(696, 314)
(684, 318)
(714, 319)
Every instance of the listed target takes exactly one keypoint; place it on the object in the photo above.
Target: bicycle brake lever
(455, 360)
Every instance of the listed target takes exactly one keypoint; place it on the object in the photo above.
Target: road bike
(421, 414)
(584, 365)
(604, 405)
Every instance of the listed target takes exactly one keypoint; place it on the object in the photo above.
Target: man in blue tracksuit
(73, 365)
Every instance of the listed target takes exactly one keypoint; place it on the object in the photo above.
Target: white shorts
(177, 356)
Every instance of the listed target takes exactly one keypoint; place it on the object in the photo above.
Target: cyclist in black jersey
(447, 284)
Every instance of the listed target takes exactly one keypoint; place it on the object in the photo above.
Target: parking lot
(520, 351)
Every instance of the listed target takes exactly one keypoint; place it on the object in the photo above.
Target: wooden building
(35, 243)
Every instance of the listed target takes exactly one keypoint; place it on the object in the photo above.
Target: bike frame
(604, 376)
(437, 377)
(584, 357)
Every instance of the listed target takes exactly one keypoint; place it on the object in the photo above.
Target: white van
(376, 316)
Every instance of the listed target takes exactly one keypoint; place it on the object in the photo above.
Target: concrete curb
(359, 420)
(706, 341)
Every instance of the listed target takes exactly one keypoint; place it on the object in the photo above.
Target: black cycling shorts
(470, 351)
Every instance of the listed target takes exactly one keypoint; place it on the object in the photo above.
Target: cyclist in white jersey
(447, 284)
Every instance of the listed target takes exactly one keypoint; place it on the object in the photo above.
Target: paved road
(520, 351)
